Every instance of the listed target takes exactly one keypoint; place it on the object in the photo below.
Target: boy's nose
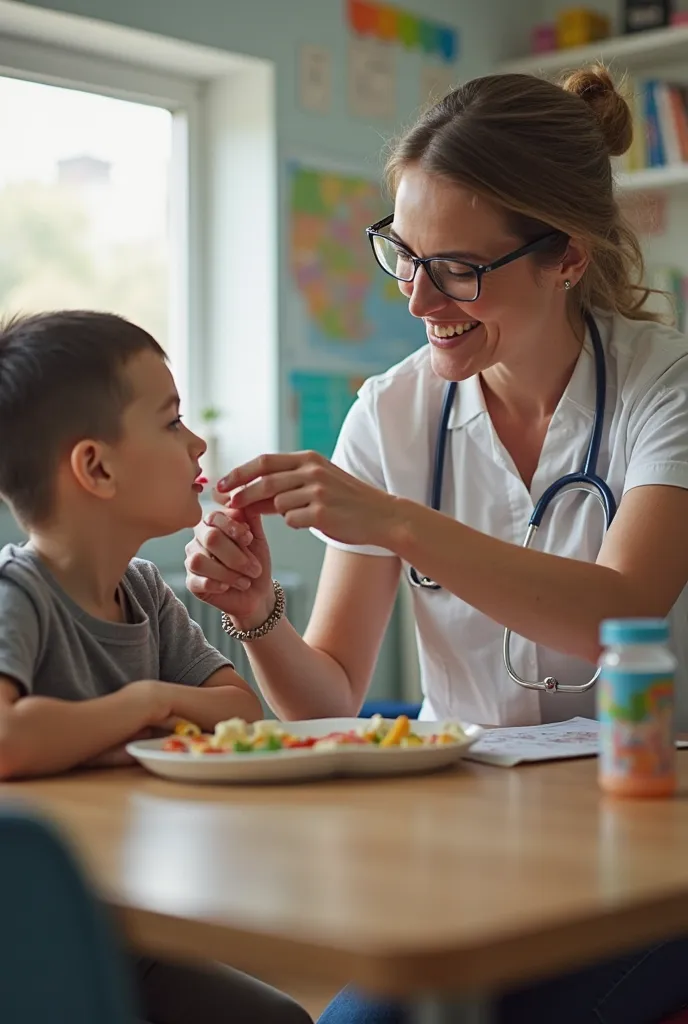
(198, 446)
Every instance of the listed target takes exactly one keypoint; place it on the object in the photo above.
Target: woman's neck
(529, 387)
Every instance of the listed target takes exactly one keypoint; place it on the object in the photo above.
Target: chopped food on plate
(235, 736)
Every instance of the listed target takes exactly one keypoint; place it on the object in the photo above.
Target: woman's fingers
(214, 538)
(303, 497)
(205, 589)
(202, 565)
(265, 465)
(232, 523)
(264, 490)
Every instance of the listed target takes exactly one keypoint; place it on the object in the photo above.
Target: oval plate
(295, 765)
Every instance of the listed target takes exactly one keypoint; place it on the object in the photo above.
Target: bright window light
(85, 207)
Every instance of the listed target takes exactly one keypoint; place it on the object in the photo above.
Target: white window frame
(48, 65)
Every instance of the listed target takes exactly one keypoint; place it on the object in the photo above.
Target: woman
(508, 243)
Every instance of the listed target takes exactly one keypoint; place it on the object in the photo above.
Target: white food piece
(454, 730)
(229, 732)
(372, 725)
(267, 728)
(326, 744)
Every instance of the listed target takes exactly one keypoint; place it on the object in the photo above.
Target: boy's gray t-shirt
(53, 648)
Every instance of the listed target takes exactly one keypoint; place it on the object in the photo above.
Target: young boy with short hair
(95, 649)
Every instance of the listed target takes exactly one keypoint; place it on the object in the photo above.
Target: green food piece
(242, 748)
(273, 743)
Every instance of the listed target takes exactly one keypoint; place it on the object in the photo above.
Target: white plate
(292, 765)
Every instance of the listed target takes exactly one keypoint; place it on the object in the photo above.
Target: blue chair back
(59, 962)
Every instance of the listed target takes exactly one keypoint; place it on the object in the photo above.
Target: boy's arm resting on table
(44, 735)
(223, 695)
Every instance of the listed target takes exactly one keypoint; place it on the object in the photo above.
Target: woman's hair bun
(596, 87)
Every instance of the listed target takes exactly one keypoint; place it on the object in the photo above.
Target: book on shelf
(660, 125)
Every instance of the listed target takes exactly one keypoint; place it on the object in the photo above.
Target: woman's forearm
(554, 601)
(297, 680)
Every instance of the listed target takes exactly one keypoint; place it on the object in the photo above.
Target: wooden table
(457, 883)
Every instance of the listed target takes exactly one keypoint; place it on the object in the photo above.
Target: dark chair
(59, 961)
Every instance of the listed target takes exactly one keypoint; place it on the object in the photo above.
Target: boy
(95, 649)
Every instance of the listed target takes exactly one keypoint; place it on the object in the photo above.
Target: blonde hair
(542, 152)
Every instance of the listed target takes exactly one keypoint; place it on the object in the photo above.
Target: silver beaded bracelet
(246, 635)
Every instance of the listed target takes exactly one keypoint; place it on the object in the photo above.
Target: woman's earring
(567, 285)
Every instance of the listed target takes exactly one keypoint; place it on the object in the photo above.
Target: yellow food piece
(186, 729)
(411, 741)
(399, 730)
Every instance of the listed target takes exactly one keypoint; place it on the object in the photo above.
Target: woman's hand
(228, 566)
(308, 490)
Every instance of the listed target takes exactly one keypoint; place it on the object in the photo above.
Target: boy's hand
(154, 698)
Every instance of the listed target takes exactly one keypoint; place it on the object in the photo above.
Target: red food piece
(175, 746)
(295, 744)
(346, 737)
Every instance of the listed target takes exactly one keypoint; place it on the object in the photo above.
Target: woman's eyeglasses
(457, 279)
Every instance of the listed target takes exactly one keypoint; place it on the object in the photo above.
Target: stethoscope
(586, 479)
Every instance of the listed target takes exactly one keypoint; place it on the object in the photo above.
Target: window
(84, 196)
(192, 198)
(94, 204)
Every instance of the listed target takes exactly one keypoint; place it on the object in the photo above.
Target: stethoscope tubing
(586, 479)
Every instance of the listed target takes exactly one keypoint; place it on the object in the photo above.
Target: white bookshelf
(654, 49)
(662, 53)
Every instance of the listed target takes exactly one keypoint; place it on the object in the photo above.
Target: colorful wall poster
(347, 308)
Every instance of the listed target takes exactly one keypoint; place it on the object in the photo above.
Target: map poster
(347, 308)
(320, 402)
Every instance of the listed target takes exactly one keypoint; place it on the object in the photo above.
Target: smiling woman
(507, 241)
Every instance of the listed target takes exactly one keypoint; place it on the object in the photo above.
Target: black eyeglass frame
(479, 269)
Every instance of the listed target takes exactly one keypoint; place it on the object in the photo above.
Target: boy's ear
(92, 468)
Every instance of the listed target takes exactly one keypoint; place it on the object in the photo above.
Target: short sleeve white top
(388, 440)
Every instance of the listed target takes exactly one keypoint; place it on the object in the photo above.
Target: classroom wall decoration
(393, 25)
(372, 79)
(347, 318)
(320, 401)
(348, 308)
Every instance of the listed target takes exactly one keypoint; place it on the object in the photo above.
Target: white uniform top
(388, 440)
